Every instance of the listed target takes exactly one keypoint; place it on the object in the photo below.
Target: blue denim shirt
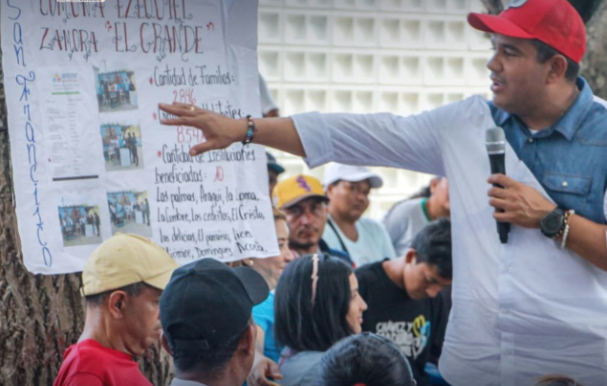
(569, 158)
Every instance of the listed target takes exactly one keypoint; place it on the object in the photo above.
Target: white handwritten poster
(90, 158)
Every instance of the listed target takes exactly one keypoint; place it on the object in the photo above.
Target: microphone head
(495, 140)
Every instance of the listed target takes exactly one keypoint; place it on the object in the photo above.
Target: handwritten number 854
(189, 135)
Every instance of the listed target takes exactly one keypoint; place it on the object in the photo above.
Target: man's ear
(411, 256)
(165, 343)
(117, 303)
(558, 68)
(247, 341)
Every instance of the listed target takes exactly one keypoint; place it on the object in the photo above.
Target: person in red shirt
(122, 283)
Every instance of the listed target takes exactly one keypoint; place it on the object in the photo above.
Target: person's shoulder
(369, 222)
(594, 122)
(600, 102)
(597, 111)
(310, 377)
(86, 348)
(91, 352)
(85, 358)
(306, 359)
(300, 368)
(402, 208)
(370, 225)
(369, 272)
(324, 247)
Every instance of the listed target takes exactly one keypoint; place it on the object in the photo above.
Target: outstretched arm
(220, 131)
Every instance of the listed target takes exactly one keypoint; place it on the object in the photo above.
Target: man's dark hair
(433, 247)
(209, 360)
(131, 290)
(556, 380)
(367, 359)
(301, 326)
(545, 52)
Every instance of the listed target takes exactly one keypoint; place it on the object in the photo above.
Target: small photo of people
(121, 147)
(116, 91)
(80, 225)
(130, 212)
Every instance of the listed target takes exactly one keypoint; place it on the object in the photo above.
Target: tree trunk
(594, 65)
(40, 316)
(493, 6)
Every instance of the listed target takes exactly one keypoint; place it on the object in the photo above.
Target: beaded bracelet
(568, 214)
(565, 220)
(251, 130)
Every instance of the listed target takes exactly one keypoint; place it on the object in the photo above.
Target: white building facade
(364, 56)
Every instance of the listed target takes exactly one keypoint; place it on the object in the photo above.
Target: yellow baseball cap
(126, 259)
(294, 189)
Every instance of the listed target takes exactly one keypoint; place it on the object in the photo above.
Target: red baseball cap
(554, 22)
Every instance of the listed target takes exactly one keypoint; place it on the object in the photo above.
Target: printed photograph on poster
(80, 224)
(121, 146)
(130, 212)
(116, 90)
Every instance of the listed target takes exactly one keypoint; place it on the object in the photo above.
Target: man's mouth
(497, 85)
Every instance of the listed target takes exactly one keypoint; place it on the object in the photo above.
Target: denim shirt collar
(568, 124)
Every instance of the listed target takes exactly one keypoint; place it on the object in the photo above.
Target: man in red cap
(533, 305)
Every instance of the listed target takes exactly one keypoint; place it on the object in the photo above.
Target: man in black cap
(205, 313)
(274, 169)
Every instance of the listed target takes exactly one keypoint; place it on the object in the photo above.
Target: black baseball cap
(272, 164)
(207, 303)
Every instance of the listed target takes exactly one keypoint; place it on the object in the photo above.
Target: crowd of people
(355, 302)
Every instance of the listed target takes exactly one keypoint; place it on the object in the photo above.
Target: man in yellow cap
(122, 283)
(303, 200)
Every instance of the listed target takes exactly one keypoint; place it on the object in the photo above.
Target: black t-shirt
(410, 324)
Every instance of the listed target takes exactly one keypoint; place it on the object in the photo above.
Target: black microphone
(495, 140)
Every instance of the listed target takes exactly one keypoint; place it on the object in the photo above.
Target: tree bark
(493, 6)
(40, 316)
(594, 65)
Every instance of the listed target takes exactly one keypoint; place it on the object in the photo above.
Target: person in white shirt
(410, 216)
(533, 305)
(363, 238)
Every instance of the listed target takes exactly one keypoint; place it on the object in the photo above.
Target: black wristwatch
(553, 223)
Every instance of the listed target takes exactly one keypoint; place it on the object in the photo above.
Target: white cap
(336, 172)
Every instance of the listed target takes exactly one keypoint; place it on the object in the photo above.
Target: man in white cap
(364, 239)
(122, 283)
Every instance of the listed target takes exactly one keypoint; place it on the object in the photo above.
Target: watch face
(552, 223)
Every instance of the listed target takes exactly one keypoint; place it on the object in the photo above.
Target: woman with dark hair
(316, 305)
(365, 359)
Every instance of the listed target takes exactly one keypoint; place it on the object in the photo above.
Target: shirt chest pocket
(568, 191)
